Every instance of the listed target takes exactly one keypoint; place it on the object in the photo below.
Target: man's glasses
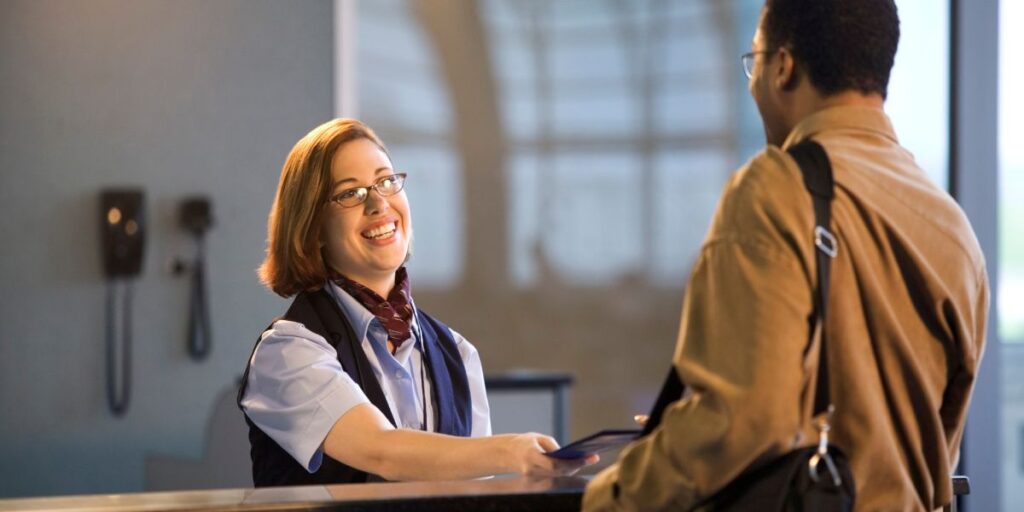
(385, 186)
(747, 59)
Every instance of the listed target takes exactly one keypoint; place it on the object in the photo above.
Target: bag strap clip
(822, 454)
(825, 241)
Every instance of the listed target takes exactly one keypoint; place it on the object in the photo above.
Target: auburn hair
(295, 260)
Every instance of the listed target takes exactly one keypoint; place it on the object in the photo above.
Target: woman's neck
(381, 285)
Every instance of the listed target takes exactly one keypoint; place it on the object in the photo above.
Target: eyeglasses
(384, 186)
(747, 59)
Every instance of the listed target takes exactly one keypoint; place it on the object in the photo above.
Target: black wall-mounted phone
(197, 219)
(122, 231)
(122, 238)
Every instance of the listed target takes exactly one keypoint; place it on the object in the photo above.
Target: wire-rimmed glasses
(385, 186)
(747, 60)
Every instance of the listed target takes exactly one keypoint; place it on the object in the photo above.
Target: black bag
(815, 478)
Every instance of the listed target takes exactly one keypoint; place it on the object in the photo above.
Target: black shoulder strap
(671, 391)
(817, 172)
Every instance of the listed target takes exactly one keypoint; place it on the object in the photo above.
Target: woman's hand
(526, 453)
(364, 439)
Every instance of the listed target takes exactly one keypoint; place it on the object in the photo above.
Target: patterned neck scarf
(395, 313)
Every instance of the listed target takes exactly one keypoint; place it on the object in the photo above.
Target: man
(908, 301)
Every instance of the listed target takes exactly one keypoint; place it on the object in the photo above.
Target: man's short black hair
(842, 44)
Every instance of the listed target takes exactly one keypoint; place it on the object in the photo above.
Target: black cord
(199, 339)
(423, 380)
(119, 370)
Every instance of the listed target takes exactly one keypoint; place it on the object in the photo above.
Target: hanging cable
(197, 219)
(119, 345)
(199, 340)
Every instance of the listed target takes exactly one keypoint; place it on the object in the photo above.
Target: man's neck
(811, 102)
(850, 99)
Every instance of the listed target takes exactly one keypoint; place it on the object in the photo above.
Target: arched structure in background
(463, 53)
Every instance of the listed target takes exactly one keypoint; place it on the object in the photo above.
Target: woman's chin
(389, 263)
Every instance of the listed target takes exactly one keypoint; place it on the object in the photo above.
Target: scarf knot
(394, 313)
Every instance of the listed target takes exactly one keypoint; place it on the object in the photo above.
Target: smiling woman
(355, 383)
(366, 235)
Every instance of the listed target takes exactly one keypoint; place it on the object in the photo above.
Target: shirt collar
(842, 117)
(359, 316)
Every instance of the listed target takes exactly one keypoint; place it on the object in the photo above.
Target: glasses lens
(390, 185)
(748, 64)
(352, 197)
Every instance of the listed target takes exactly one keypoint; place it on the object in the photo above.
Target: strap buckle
(825, 241)
(822, 454)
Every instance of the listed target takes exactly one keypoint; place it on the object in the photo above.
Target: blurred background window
(619, 122)
(1010, 300)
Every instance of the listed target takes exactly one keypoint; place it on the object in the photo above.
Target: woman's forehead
(359, 160)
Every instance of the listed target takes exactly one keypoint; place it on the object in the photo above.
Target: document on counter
(595, 443)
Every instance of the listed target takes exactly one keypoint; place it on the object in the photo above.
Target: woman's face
(369, 242)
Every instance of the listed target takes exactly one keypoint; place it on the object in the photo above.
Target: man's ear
(786, 71)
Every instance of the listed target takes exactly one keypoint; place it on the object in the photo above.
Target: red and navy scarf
(395, 313)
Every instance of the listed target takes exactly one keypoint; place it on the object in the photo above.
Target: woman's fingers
(546, 443)
(543, 465)
(530, 456)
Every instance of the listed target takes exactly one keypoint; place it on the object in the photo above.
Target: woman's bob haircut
(295, 260)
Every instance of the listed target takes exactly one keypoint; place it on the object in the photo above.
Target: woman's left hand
(530, 459)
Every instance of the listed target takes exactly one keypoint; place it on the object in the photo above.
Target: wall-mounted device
(197, 219)
(122, 239)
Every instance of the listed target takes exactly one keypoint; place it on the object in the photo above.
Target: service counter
(496, 495)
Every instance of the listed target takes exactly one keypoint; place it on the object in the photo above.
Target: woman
(354, 383)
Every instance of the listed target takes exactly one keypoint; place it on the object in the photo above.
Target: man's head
(808, 51)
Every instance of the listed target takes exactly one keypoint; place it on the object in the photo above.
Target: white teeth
(380, 231)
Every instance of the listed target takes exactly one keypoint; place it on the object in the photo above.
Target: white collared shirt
(297, 389)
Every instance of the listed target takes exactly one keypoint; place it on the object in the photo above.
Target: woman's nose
(376, 203)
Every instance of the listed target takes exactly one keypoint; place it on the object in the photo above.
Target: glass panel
(524, 178)
(700, 109)
(635, 103)
(593, 233)
(1011, 177)
(1010, 287)
(434, 190)
(918, 101)
(698, 176)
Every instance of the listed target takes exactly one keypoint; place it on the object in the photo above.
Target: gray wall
(976, 186)
(180, 97)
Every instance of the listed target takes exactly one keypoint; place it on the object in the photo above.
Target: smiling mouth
(380, 232)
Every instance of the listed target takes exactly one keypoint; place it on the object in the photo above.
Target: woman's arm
(364, 439)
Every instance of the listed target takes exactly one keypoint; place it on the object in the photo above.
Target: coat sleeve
(740, 352)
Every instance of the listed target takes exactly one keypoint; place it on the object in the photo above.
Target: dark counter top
(499, 494)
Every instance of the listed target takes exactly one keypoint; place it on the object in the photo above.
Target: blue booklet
(595, 443)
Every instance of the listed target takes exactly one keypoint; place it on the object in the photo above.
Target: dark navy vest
(273, 466)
